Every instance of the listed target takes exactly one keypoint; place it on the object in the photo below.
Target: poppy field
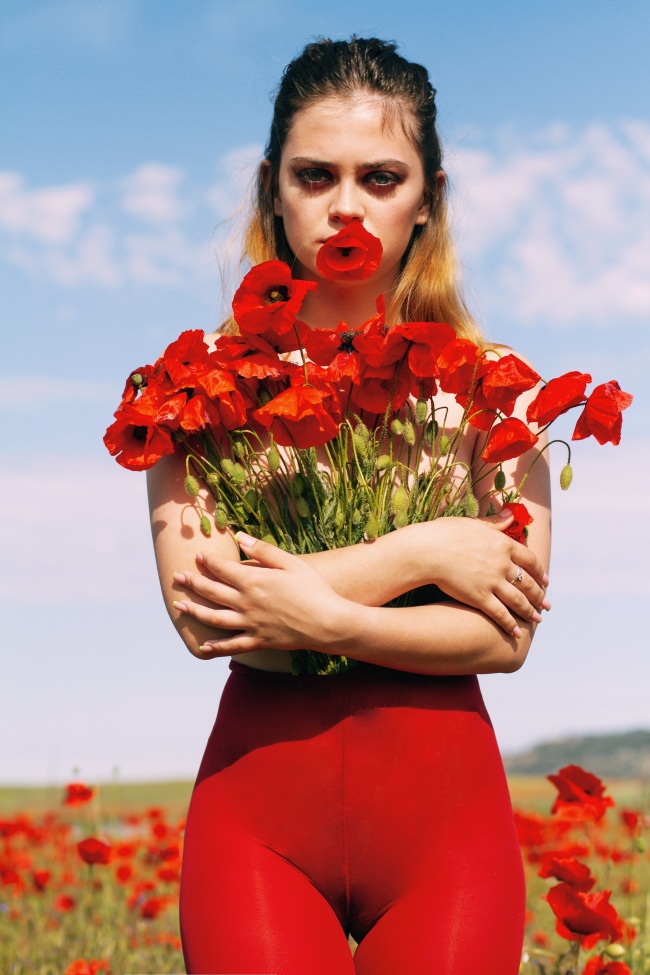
(90, 886)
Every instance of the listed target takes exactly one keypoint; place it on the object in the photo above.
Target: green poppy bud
(273, 457)
(470, 504)
(421, 411)
(302, 508)
(191, 486)
(221, 515)
(212, 480)
(206, 527)
(239, 449)
(409, 433)
(372, 528)
(499, 480)
(444, 444)
(397, 427)
(640, 844)
(614, 951)
(226, 466)
(432, 431)
(339, 519)
(401, 519)
(383, 462)
(356, 517)
(251, 498)
(362, 431)
(269, 539)
(299, 484)
(399, 501)
(566, 476)
(238, 475)
(360, 445)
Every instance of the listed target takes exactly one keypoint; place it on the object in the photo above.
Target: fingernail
(180, 606)
(546, 604)
(206, 646)
(516, 632)
(244, 540)
(536, 617)
(180, 577)
(200, 557)
(505, 512)
(545, 580)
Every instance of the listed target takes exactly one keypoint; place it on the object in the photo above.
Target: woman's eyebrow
(324, 164)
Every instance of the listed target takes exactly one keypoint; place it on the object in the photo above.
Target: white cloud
(51, 215)
(150, 193)
(558, 224)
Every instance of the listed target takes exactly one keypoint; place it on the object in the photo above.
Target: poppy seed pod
(212, 480)
(238, 475)
(444, 444)
(372, 528)
(470, 504)
(221, 515)
(397, 427)
(191, 486)
(409, 433)
(566, 476)
(383, 462)
(206, 527)
(399, 501)
(273, 456)
(226, 466)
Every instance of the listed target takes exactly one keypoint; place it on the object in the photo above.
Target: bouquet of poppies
(313, 439)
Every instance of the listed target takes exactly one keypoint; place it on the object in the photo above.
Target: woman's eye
(382, 179)
(313, 175)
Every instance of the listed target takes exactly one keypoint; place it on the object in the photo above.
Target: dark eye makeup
(377, 178)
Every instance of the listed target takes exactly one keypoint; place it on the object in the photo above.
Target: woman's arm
(177, 538)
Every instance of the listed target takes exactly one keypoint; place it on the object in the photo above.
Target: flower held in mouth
(351, 255)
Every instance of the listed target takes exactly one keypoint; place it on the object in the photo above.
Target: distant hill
(621, 756)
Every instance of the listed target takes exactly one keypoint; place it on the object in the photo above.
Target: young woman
(373, 803)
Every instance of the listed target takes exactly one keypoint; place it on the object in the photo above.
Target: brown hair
(427, 289)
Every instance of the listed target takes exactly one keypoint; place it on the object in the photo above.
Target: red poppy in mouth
(351, 255)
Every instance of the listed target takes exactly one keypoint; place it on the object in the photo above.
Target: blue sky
(130, 132)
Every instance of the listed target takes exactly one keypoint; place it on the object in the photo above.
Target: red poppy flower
(249, 356)
(587, 918)
(304, 415)
(601, 416)
(64, 903)
(598, 966)
(92, 967)
(567, 869)
(630, 818)
(351, 255)
(153, 906)
(138, 381)
(460, 365)
(505, 380)
(426, 341)
(137, 439)
(123, 873)
(92, 850)
(558, 396)
(509, 438)
(521, 520)
(580, 793)
(381, 387)
(268, 299)
(77, 794)
(41, 878)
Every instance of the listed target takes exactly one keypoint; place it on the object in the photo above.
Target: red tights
(373, 804)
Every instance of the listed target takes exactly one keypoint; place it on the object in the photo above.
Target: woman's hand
(474, 562)
(275, 601)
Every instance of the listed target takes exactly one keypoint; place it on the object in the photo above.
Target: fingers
(497, 611)
(215, 617)
(211, 590)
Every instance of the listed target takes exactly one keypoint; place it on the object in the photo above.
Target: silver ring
(519, 575)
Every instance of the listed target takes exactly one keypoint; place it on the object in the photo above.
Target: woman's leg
(245, 910)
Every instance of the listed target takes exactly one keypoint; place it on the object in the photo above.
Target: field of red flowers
(83, 893)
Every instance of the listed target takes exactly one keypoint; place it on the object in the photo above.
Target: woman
(374, 803)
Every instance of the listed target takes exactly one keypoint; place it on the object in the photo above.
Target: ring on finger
(519, 575)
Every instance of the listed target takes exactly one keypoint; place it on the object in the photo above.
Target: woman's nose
(347, 202)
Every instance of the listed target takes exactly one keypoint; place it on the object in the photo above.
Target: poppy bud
(206, 527)
(212, 480)
(238, 475)
(409, 433)
(614, 951)
(397, 427)
(499, 480)
(470, 504)
(399, 501)
(356, 517)
(372, 528)
(566, 476)
(420, 411)
(251, 498)
(360, 445)
(339, 519)
(444, 445)
(269, 539)
(298, 484)
(240, 449)
(640, 844)
(401, 519)
(302, 508)
(264, 397)
(226, 466)
(383, 462)
(191, 486)
(362, 431)
(273, 457)
(221, 515)
(432, 431)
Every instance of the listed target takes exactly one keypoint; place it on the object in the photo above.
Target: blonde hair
(428, 288)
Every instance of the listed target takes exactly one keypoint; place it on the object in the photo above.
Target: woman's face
(343, 162)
